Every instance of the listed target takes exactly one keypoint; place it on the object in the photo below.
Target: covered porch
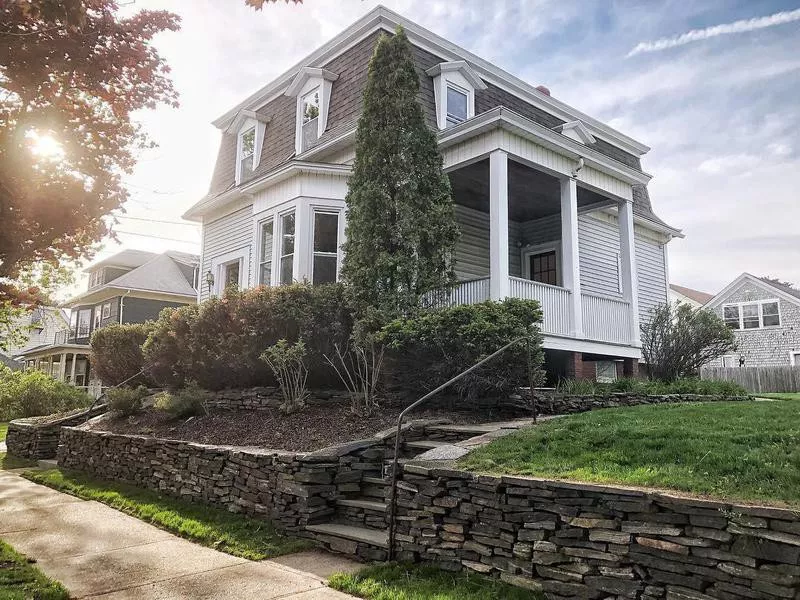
(542, 219)
(69, 363)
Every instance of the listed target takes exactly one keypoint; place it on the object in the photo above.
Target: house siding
(226, 234)
(139, 310)
(651, 270)
(768, 347)
(472, 249)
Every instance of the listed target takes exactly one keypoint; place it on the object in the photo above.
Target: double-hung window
(752, 315)
(287, 247)
(265, 253)
(326, 247)
(770, 314)
(247, 148)
(231, 273)
(731, 316)
(310, 125)
(457, 101)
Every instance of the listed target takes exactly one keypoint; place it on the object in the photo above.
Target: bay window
(326, 247)
(265, 253)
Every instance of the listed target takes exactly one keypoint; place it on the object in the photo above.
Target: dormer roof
(458, 66)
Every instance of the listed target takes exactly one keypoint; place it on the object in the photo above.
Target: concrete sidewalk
(99, 552)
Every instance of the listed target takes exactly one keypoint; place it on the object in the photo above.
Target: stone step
(372, 537)
(425, 444)
(363, 504)
(375, 481)
(465, 430)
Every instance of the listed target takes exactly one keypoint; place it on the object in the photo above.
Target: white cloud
(696, 35)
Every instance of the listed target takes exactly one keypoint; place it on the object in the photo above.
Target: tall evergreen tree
(401, 227)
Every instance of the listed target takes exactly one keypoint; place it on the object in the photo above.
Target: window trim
(259, 243)
(529, 251)
(106, 312)
(760, 304)
(294, 210)
(338, 254)
(794, 358)
(606, 363)
(733, 358)
(217, 263)
(448, 85)
(246, 128)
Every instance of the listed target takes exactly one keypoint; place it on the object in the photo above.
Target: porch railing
(468, 291)
(606, 319)
(554, 301)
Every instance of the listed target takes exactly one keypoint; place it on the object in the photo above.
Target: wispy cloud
(696, 35)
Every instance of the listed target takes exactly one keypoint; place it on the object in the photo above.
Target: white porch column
(630, 281)
(74, 362)
(570, 265)
(62, 367)
(498, 225)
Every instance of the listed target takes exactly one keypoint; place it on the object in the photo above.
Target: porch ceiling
(532, 194)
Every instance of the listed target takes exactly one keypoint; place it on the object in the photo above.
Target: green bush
(689, 385)
(218, 342)
(126, 401)
(117, 352)
(191, 401)
(32, 394)
(288, 364)
(428, 349)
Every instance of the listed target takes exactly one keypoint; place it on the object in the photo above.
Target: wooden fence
(757, 379)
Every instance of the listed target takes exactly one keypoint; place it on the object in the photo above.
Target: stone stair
(359, 523)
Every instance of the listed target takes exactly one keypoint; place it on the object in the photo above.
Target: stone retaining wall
(261, 398)
(37, 438)
(591, 541)
(550, 403)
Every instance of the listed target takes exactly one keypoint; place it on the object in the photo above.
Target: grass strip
(8, 462)
(413, 582)
(235, 534)
(746, 451)
(3, 431)
(20, 580)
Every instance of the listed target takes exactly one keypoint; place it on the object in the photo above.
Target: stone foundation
(591, 541)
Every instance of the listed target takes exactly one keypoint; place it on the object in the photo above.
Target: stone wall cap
(340, 449)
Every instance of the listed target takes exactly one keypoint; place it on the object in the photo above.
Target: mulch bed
(314, 427)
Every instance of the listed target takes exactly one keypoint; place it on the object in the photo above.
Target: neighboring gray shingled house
(552, 204)
(132, 286)
(765, 316)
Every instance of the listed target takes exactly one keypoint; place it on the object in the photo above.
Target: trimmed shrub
(191, 401)
(126, 401)
(32, 394)
(218, 343)
(117, 352)
(428, 349)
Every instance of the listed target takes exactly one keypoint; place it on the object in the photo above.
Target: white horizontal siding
(226, 234)
(651, 270)
(598, 250)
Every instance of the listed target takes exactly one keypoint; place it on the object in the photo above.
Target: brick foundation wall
(591, 541)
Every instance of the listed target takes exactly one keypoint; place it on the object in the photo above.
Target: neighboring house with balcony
(37, 328)
(552, 204)
(132, 286)
(765, 317)
(687, 295)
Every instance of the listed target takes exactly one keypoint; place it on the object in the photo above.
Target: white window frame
(794, 358)
(733, 358)
(278, 232)
(246, 128)
(259, 242)
(760, 304)
(606, 364)
(529, 251)
(219, 263)
(315, 210)
(106, 310)
(466, 93)
(459, 76)
(307, 80)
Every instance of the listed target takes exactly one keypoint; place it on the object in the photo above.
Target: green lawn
(781, 396)
(235, 534)
(405, 582)
(8, 462)
(732, 450)
(3, 430)
(19, 580)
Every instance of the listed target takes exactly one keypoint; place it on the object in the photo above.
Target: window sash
(770, 312)
(287, 247)
(228, 270)
(310, 106)
(325, 255)
(752, 315)
(267, 232)
(456, 111)
(544, 267)
(732, 316)
(106, 310)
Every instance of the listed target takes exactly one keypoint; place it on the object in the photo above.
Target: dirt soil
(314, 427)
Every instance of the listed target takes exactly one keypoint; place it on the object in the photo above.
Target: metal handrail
(408, 409)
(103, 395)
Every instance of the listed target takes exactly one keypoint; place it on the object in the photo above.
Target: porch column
(74, 362)
(498, 225)
(630, 282)
(570, 264)
(62, 367)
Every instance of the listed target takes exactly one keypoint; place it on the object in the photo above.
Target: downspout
(122, 305)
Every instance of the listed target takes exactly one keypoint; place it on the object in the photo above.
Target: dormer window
(247, 147)
(310, 117)
(312, 88)
(457, 102)
(454, 86)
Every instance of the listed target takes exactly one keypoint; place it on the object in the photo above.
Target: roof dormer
(577, 131)
(454, 85)
(312, 88)
(249, 127)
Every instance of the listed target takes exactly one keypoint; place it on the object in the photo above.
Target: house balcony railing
(605, 319)
(71, 336)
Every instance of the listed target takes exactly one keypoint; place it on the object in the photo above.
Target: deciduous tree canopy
(71, 75)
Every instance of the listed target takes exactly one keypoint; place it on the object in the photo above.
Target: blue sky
(719, 111)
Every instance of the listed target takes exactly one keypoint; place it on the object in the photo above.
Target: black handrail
(102, 395)
(408, 409)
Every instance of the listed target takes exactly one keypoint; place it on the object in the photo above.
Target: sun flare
(45, 146)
